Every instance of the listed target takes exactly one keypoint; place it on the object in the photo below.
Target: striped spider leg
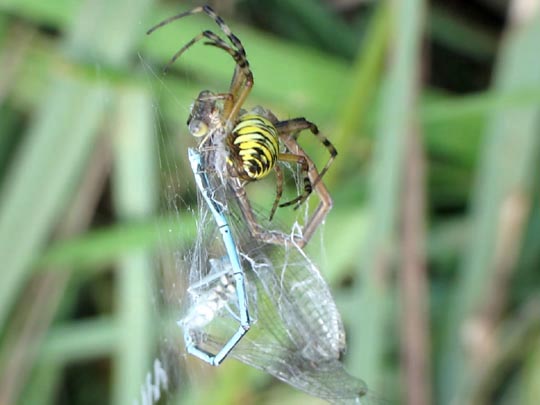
(242, 80)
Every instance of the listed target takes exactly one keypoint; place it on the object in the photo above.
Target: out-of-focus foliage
(432, 247)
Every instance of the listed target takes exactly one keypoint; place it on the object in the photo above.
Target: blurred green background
(432, 248)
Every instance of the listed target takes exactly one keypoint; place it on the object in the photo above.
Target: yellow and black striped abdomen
(254, 147)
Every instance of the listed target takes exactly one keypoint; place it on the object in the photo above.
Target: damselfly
(296, 330)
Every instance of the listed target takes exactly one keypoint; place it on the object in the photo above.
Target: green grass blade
(81, 340)
(103, 246)
(365, 80)
(503, 187)
(394, 119)
(41, 178)
(135, 192)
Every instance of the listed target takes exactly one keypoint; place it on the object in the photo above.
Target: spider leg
(211, 13)
(293, 128)
(320, 189)
(242, 81)
(173, 18)
(279, 190)
(205, 34)
(304, 165)
(256, 230)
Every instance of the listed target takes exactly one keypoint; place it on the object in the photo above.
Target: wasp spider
(256, 141)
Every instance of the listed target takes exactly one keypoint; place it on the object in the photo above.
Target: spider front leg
(242, 80)
(241, 83)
